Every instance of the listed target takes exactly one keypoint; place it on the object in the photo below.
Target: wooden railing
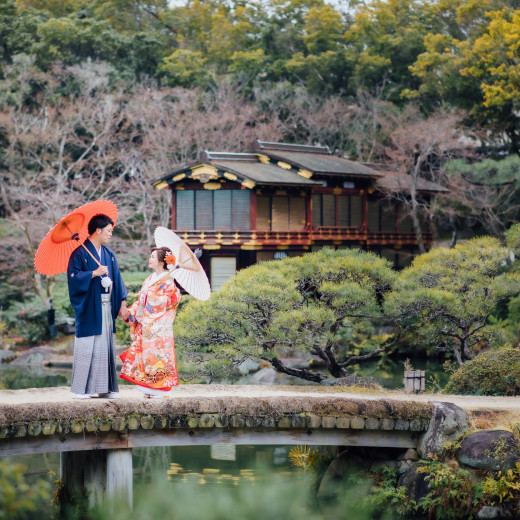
(307, 236)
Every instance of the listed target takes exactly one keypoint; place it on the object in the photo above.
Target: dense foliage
(20, 500)
(496, 372)
(98, 98)
(326, 304)
(301, 304)
(448, 295)
(458, 52)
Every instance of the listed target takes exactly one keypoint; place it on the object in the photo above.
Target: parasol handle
(91, 255)
(85, 248)
(75, 236)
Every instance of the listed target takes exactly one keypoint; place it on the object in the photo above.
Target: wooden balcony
(258, 240)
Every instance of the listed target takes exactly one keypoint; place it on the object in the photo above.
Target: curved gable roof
(245, 168)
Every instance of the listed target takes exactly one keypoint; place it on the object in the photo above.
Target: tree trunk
(456, 351)
(333, 365)
(356, 359)
(38, 286)
(466, 353)
(296, 372)
(454, 236)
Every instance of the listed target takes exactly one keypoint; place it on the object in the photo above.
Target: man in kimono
(97, 294)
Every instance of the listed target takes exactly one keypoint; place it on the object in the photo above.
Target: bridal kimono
(150, 360)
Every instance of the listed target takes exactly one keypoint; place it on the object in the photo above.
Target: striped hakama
(94, 366)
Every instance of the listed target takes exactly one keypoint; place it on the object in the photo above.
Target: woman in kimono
(150, 361)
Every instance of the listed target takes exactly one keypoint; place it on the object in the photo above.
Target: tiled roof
(245, 166)
(263, 173)
(283, 164)
(323, 163)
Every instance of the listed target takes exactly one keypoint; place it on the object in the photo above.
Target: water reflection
(388, 372)
(212, 465)
(33, 376)
(216, 482)
(223, 452)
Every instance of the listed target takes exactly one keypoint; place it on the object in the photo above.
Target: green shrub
(496, 372)
(122, 328)
(513, 239)
(18, 499)
(454, 492)
(9, 293)
(268, 496)
(29, 320)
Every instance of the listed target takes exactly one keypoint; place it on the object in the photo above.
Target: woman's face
(154, 263)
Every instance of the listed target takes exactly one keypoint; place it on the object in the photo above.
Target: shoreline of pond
(48, 360)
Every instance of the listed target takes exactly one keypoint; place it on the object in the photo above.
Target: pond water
(221, 467)
(388, 373)
(207, 471)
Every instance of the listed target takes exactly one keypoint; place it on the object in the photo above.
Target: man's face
(105, 234)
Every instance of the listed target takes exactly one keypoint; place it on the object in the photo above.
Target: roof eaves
(235, 175)
(166, 180)
(208, 155)
(197, 169)
(289, 147)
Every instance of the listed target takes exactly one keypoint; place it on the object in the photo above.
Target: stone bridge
(95, 436)
(49, 420)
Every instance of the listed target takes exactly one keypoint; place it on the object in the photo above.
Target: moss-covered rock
(492, 373)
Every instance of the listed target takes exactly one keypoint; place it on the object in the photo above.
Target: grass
(135, 276)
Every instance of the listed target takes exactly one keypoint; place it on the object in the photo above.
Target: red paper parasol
(188, 271)
(67, 235)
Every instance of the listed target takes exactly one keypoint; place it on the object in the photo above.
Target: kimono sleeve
(134, 308)
(173, 293)
(78, 282)
(120, 282)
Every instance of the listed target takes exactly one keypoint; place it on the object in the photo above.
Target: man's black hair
(98, 222)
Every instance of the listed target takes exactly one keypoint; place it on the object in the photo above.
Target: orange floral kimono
(150, 360)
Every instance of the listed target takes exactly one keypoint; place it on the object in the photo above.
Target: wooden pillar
(414, 381)
(119, 475)
(101, 474)
(364, 210)
(174, 209)
(308, 210)
(252, 210)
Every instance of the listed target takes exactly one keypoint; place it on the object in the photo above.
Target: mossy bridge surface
(96, 436)
(50, 420)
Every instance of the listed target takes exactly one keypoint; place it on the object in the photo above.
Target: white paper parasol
(188, 271)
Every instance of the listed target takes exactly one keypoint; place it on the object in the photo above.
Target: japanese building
(285, 200)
